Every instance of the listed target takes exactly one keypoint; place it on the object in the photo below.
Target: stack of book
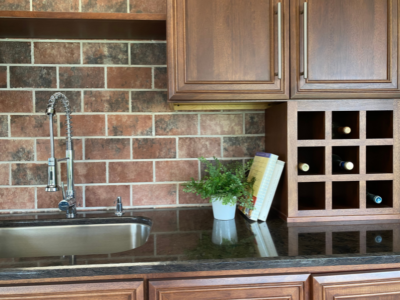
(267, 170)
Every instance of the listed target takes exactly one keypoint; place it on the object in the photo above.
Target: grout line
(152, 78)
(130, 101)
(83, 149)
(177, 193)
(8, 77)
(154, 171)
(244, 123)
(34, 101)
(153, 120)
(80, 5)
(95, 41)
(9, 125)
(83, 196)
(127, 6)
(129, 53)
(58, 77)
(105, 77)
(79, 65)
(31, 5)
(81, 51)
(32, 54)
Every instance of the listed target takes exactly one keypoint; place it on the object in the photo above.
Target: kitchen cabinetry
(372, 286)
(238, 50)
(293, 287)
(127, 290)
(344, 49)
(228, 49)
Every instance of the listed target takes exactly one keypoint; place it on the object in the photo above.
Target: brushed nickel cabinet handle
(279, 40)
(305, 36)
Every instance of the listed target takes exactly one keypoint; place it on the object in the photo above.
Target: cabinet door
(282, 287)
(362, 286)
(132, 290)
(228, 49)
(348, 48)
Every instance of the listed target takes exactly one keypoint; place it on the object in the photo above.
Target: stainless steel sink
(72, 236)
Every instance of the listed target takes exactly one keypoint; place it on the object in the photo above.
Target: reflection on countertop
(188, 234)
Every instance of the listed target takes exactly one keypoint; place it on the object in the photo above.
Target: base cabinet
(362, 286)
(128, 290)
(283, 287)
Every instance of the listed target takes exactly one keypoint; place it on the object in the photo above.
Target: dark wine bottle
(339, 164)
(374, 198)
(338, 130)
(303, 167)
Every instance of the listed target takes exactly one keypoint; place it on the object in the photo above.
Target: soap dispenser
(119, 209)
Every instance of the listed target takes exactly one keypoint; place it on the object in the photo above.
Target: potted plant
(224, 186)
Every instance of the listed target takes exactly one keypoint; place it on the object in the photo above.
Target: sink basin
(39, 238)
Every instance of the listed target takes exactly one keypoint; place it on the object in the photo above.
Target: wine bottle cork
(304, 167)
(344, 130)
(348, 166)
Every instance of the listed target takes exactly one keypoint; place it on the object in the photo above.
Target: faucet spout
(68, 203)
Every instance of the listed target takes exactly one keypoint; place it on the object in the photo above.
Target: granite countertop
(189, 239)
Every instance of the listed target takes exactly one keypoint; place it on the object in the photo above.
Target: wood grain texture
(226, 50)
(293, 287)
(342, 36)
(128, 290)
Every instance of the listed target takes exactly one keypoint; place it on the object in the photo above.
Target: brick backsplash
(128, 142)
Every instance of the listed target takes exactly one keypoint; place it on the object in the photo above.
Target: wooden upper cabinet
(127, 290)
(344, 49)
(362, 286)
(228, 49)
(282, 287)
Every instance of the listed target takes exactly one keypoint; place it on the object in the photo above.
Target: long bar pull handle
(279, 40)
(305, 36)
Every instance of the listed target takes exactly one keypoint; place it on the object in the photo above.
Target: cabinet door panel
(351, 49)
(362, 286)
(282, 287)
(132, 290)
(226, 49)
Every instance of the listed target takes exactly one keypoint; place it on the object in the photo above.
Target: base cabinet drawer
(282, 287)
(127, 290)
(362, 286)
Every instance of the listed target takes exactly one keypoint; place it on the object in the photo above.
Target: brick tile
(176, 170)
(105, 54)
(42, 100)
(154, 194)
(144, 250)
(15, 52)
(160, 78)
(17, 198)
(107, 149)
(148, 6)
(255, 123)
(143, 101)
(14, 5)
(57, 53)
(130, 125)
(16, 101)
(176, 243)
(33, 77)
(100, 196)
(92, 172)
(190, 198)
(243, 146)
(106, 101)
(104, 6)
(229, 163)
(196, 220)
(85, 125)
(149, 54)
(128, 77)
(51, 200)
(176, 124)
(3, 126)
(81, 77)
(17, 150)
(30, 126)
(4, 174)
(197, 147)
(166, 219)
(29, 174)
(221, 124)
(3, 77)
(132, 171)
(43, 149)
(154, 148)
(56, 5)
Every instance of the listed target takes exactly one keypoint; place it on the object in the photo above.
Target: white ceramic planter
(224, 232)
(221, 211)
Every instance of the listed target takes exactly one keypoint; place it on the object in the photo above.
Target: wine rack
(301, 132)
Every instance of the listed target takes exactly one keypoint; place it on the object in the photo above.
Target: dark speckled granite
(182, 241)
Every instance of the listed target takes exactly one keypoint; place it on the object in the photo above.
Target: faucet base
(51, 189)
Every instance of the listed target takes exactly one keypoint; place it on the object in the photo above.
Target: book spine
(271, 191)
(264, 187)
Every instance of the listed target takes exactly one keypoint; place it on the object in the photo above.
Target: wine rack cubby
(305, 131)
